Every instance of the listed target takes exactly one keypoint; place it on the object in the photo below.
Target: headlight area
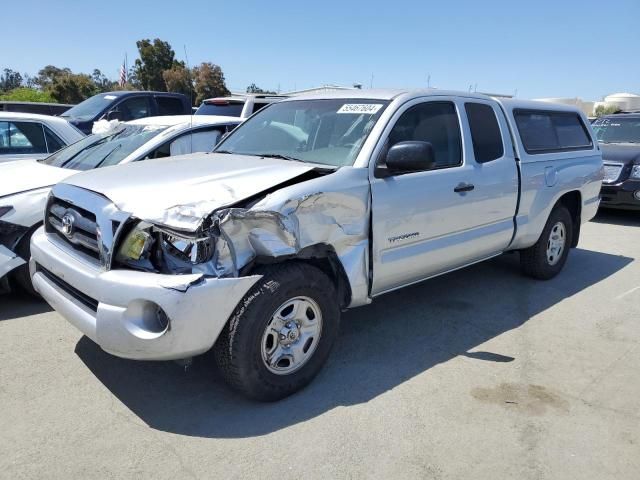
(635, 172)
(151, 248)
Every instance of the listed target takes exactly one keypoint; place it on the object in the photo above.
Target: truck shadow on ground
(399, 336)
(625, 218)
(17, 305)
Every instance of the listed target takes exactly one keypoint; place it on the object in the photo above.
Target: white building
(627, 102)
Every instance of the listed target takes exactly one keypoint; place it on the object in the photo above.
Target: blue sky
(540, 48)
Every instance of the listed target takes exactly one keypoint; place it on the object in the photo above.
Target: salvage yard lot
(482, 373)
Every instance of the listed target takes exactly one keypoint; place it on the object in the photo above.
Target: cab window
(485, 132)
(433, 122)
(169, 105)
(133, 108)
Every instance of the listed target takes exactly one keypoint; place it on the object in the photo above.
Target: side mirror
(114, 115)
(411, 156)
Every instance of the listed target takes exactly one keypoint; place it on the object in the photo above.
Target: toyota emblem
(67, 224)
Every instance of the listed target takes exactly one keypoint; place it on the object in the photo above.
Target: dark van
(125, 106)
(619, 138)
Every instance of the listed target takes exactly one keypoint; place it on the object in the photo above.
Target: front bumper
(112, 308)
(621, 195)
(9, 261)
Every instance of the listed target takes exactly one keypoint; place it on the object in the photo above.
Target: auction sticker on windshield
(370, 108)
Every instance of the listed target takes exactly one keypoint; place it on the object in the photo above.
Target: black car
(619, 138)
(126, 106)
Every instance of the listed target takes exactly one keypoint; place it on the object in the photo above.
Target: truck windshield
(617, 130)
(90, 107)
(329, 132)
(105, 149)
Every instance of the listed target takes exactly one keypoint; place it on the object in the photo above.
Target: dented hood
(25, 175)
(180, 191)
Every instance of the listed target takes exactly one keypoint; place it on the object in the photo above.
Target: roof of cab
(514, 103)
(120, 93)
(383, 94)
(31, 116)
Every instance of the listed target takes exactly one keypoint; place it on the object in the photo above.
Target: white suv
(237, 105)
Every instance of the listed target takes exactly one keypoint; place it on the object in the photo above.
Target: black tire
(534, 261)
(21, 275)
(238, 350)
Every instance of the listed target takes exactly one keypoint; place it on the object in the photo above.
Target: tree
(101, 82)
(178, 79)
(25, 94)
(253, 88)
(154, 59)
(29, 81)
(72, 88)
(209, 82)
(10, 80)
(49, 74)
(606, 110)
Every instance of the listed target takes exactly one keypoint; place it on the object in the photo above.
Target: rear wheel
(547, 256)
(281, 333)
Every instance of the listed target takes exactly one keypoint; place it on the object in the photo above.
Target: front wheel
(281, 333)
(547, 256)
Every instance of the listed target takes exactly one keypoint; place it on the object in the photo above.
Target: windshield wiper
(104, 159)
(279, 156)
(222, 151)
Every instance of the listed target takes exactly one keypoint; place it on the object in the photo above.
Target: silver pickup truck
(312, 206)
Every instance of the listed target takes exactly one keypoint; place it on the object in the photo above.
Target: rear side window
(22, 138)
(258, 106)
(53, 141)
(220, 107)
(545, 132)
(485, 132)
(169, 106)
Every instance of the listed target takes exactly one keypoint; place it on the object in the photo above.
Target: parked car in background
(24, 185)
(313, 205)
(34, 107)
(125, 106)
(33, 136)
(237, 105)
(619, 137)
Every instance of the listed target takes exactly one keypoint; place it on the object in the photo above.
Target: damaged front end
(321, 218)
(10, 237)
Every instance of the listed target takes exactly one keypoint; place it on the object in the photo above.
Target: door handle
(464, 187)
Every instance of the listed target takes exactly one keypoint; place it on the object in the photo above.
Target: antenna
(186, 58)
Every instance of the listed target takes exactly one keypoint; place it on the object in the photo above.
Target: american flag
(123, 74)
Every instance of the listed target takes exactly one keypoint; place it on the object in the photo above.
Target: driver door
(428, 222)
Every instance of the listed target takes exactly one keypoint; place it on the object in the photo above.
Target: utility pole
(371, 83)
(429, 81)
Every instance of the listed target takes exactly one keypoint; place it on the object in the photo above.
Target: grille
(75, 226)
(80, 297)
(612, 173)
